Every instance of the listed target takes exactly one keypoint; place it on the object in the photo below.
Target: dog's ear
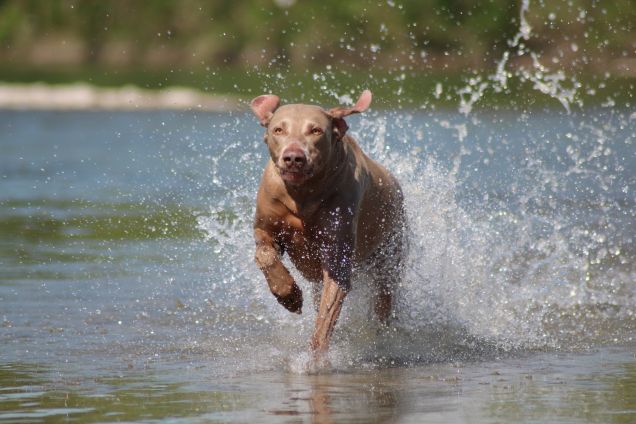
(264, 107)
(361, 105)
(340, 127)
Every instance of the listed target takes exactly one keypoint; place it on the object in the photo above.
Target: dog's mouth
(295, 176)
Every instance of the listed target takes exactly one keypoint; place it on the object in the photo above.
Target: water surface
(128, 293)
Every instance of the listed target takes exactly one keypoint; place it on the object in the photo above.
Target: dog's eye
(316, 131)
(277, 131)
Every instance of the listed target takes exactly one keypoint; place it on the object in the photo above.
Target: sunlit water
(128, 292)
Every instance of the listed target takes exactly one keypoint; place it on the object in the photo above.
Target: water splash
(541, 78)
(537, 266)
(530, 259)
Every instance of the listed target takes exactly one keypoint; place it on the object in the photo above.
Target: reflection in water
(332, 398)
(320, 404)
(35, 394)
(598, 387)
(332, 401)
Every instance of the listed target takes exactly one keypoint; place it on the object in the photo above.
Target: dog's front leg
(330, 305)
(336, 283)
(280, 281)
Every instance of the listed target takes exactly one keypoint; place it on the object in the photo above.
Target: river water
(128, 290)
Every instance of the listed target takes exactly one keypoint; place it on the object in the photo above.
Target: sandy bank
(87, 97)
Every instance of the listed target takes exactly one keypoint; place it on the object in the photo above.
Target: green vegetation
(427, 34)
(399, 48)
(84, 221)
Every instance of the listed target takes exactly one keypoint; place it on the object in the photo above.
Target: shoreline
(83, 96)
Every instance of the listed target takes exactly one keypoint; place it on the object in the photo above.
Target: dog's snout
(294, 158)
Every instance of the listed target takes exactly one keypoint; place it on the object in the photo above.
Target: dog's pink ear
(264, 107)
(363, 103)
(340, 127)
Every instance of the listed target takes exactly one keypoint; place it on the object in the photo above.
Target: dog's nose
(294, 158)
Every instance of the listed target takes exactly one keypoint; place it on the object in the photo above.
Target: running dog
(328, 206)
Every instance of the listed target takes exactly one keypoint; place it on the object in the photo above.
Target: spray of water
(537, 267)
(541, 78)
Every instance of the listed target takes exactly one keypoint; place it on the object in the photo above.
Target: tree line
(303, 34)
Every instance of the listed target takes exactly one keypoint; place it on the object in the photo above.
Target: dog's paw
(293, 302)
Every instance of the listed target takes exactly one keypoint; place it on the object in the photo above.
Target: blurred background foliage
(222, 45)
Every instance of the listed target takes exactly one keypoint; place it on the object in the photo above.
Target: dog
(327, 205)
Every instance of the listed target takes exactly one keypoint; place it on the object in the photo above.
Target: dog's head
(301, 137)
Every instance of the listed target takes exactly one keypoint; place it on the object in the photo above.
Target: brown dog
(329, 206)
